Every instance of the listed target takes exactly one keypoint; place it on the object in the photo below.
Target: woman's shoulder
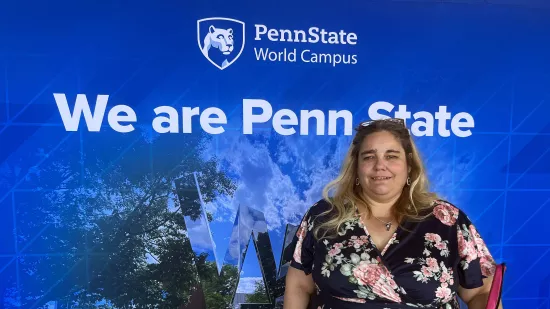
(447, 213)
(321, 207)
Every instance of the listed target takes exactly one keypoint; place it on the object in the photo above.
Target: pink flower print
(357, 243)
(471, 251)
(446, 213)
(352, 300)
(432, 237)
(432, 264)
(384, 289)
(488, 265)
(378, 279)
(441, 245)
(393, 284)
(301, 233)
(446, 278)
(443, 292)
(426, 271)
(478, 241)
(480, 244)
(367, 273)
(334, 251)
(388, 277)
(298, 252)
(466, 248)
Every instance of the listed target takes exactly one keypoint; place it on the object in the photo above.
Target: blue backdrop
(119, 209)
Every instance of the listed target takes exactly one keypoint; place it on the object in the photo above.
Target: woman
(382, 240)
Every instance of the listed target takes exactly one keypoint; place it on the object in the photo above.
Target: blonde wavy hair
(415, 200)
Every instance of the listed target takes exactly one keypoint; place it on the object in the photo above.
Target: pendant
(388, 226)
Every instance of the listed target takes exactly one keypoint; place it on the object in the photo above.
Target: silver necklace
(387, 224)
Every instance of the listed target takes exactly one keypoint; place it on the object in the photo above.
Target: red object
(496, 287)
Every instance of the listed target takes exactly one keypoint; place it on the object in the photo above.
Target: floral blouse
(421, 266)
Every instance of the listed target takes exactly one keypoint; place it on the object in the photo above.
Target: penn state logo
(221, 40)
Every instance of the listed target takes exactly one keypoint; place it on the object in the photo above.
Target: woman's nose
(379, 164)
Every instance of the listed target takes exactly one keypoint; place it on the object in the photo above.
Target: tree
(103, 228)
(217, 289)
(259, 296)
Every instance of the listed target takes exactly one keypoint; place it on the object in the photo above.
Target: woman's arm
(298, 289)
(477, 298)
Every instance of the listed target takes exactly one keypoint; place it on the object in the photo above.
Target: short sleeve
(303, 245)
(475, 260)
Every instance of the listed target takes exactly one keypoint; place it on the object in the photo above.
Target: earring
(357, 181)
(408, 181)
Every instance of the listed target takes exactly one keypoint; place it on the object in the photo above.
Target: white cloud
(279, 175)
(198, 235)
(247, 285)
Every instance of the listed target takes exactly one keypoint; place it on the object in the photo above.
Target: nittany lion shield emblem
(221, 40)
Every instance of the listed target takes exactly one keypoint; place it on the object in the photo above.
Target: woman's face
(382, 166)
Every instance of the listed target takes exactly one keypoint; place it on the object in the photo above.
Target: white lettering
(284, 122)
(308, 56)
(319, 117)
(351, 38)
(249, 118)
(187, 115)
(260, 30)
(272, 35)
(423, 124)
(286, 117)
(115, 118)
(206, 121)
(279, 122)
(314, 35)
(456, 125)
(380, 105)
(172, 120)
(403, 113)
(71, 121)
(93, 121)
(333, 118)
(428, 125)
(261, 53)
(442, 116)
(187, 124)
(284, 55)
